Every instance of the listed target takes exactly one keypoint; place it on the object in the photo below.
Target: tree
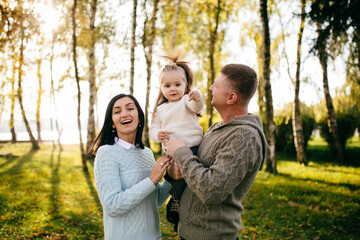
(270, 126)
(92, 82)
(133, 45)
(9, 26)
(176, 20)
(52, 92)
(13, 96)
(333, 20)
(332, 123)
(77, 78)
(30, 19)
(296, 115)
(148, 42)
(213, 30)
(38, 103)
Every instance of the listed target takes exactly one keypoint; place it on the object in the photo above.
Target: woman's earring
(139, 125)
(113, 130)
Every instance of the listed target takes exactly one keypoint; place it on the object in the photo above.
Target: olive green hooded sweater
(218, 179)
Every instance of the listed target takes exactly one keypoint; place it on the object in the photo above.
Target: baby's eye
(178, 84)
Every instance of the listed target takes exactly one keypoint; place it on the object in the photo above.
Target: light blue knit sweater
(129, 198)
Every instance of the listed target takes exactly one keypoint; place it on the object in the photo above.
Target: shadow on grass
(17, 168)
(9, 160)
(93, 190)
(303, 211)
(319, 154)
(351, 187)
(55, 180)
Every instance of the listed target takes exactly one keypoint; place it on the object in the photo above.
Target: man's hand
(194, 95)
(173, 144)
(174, 171)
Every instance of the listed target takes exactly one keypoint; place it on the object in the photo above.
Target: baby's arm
(163, 135)
(195, 101)
(155, 128)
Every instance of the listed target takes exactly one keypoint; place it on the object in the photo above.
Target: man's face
(220, 90)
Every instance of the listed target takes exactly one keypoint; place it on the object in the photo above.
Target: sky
(282, 88)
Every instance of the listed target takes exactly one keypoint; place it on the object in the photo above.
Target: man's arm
(234, 158)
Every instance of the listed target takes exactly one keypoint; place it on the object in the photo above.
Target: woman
(126, 174)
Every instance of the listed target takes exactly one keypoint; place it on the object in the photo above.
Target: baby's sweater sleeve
(195, 107)
(114, 199)
(155, 128)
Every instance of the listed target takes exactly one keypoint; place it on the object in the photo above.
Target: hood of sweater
(249, 120)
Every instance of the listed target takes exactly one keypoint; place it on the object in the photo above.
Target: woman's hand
(163, 136)
(159, 168)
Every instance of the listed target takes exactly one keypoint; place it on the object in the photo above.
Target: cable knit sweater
(218, 179)
(179, 119)
(129, 198)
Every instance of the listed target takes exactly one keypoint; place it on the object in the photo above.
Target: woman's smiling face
(125, 119)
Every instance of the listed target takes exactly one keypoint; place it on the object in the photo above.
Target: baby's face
(173, 86)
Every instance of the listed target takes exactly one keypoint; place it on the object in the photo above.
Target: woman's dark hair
(106, 135)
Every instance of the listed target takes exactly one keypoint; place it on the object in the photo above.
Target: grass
(46, 195)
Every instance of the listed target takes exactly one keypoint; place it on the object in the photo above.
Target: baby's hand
(163, 135)
(194, 95)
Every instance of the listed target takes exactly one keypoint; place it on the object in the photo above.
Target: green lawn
(46, 195)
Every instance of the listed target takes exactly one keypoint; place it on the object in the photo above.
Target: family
(206, 176)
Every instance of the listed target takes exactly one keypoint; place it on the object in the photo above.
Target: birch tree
(52, 93)
(92, 81)
(13, 96)
(176, 20)
(38, 102)
(296, 114)
(24, 15)
(133, 45)
(148, 42)
(213, 37)
(77, 78)
(271, 162)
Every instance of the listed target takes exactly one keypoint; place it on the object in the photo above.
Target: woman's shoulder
(146, 150)
(105, 149)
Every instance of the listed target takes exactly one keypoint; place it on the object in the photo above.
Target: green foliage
(346, 125)
(46, 195)
(284, 132)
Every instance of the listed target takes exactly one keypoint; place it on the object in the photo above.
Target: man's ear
(231, 98)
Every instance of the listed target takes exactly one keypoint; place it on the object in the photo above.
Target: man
(229, 157)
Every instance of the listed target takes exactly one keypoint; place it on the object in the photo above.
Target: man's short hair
(242, 78)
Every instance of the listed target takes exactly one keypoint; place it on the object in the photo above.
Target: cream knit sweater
(179, 119)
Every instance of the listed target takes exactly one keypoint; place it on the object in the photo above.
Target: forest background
(63, 60)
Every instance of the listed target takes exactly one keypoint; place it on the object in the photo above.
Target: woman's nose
(124, 113)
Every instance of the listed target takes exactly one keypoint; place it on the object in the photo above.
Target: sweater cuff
(181, 154)
(148, 185)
